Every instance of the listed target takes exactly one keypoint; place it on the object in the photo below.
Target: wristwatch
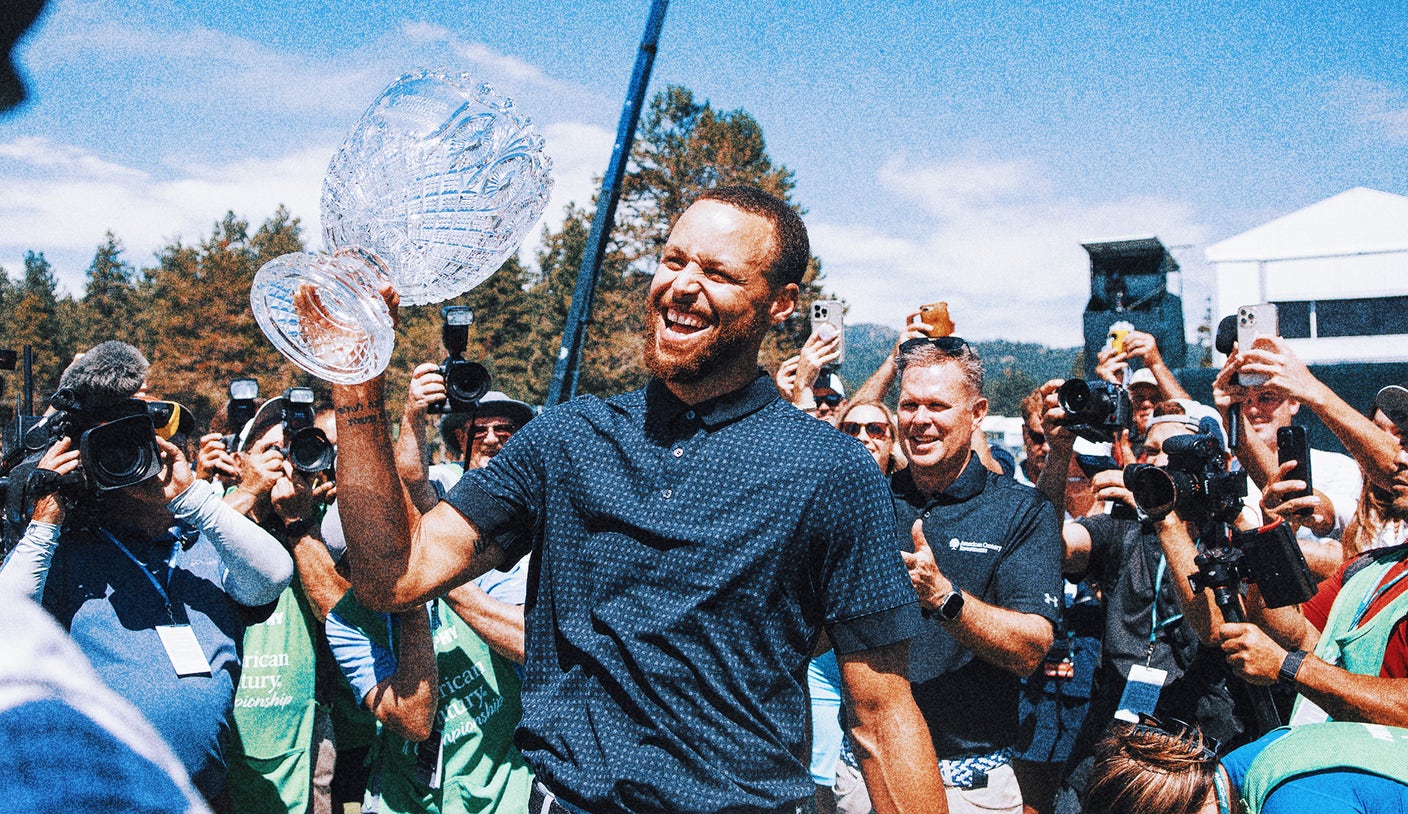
(294, 530)
(949, 608)
(1289, 667)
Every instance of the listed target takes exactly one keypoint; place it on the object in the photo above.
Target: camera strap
(182, 648)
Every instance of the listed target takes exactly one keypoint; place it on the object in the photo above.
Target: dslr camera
(1195, 483)
(466, 382)
(1096, 409)
(240, 409)
(305, 446)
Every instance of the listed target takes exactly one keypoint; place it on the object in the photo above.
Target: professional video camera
(116, 445)
(1095, 410)
(240, 409)
(305, 446)
(465, 382)
(1195, 483)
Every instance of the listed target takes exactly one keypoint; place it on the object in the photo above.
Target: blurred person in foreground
(156, 582)
(692, 539)
(1329, 768)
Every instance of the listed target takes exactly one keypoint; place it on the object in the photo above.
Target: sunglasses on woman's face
(874, 429)
(829, 399)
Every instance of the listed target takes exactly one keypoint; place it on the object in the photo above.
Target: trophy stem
(324, 313)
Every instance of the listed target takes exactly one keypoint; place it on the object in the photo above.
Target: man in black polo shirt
(691, 540)
(989, 585)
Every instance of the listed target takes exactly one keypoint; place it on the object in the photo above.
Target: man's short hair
(927, 354)
(793, 250)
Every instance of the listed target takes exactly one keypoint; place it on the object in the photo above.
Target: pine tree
(33, 317)
(109, 306)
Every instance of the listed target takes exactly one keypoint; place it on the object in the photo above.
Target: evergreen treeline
(189, 313)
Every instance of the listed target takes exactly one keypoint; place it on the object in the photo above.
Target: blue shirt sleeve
(1028, 579)
(866, 597)
(365, 663)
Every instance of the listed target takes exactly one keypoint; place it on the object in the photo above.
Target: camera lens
(120, 453)
(310, 451)
(466, 382)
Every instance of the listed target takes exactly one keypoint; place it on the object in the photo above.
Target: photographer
(279, 724)
(1152, 383)
(1271, 406)
(472, 437)
(1346, 650)
(183, 574)
(1151, 653)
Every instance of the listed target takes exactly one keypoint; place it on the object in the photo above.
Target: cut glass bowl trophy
(436, 186)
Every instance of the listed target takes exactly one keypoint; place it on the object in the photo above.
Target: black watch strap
(296, 530)
(1289, 667)
(948, 610)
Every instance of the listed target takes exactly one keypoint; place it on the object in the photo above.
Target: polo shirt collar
(968, 485)
(717, 411)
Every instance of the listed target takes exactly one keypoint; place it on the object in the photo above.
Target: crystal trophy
(436, 186)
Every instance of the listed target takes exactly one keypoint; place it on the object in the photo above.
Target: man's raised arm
(399, 557)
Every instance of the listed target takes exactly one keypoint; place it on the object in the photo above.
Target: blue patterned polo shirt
(686, 560)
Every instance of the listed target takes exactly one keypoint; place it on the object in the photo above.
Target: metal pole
(569, 356)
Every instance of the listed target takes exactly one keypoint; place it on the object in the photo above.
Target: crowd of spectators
(727, 591)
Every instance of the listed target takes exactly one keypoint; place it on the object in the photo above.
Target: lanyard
(1154, 624)
(170, 567)
(1374, 595)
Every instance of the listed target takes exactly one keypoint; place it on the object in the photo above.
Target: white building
(1337, 271)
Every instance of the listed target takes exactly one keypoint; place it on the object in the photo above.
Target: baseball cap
(1143, 376)
(270, 413)
(1393, 400)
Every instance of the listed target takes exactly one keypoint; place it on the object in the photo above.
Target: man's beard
(728, 343)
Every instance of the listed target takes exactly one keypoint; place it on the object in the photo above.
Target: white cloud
(993, 240)
(1377, 105)
(61, 200)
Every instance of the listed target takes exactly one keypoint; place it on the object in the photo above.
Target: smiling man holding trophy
(687, 558)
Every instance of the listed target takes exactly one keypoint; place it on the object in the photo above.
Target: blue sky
(957, 151)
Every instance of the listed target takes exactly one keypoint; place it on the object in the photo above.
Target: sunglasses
(874, 429)
(501, 430)
(1182, 730)
(829, 399)
(949, 345)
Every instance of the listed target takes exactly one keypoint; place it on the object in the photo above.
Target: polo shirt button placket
(678, 452)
